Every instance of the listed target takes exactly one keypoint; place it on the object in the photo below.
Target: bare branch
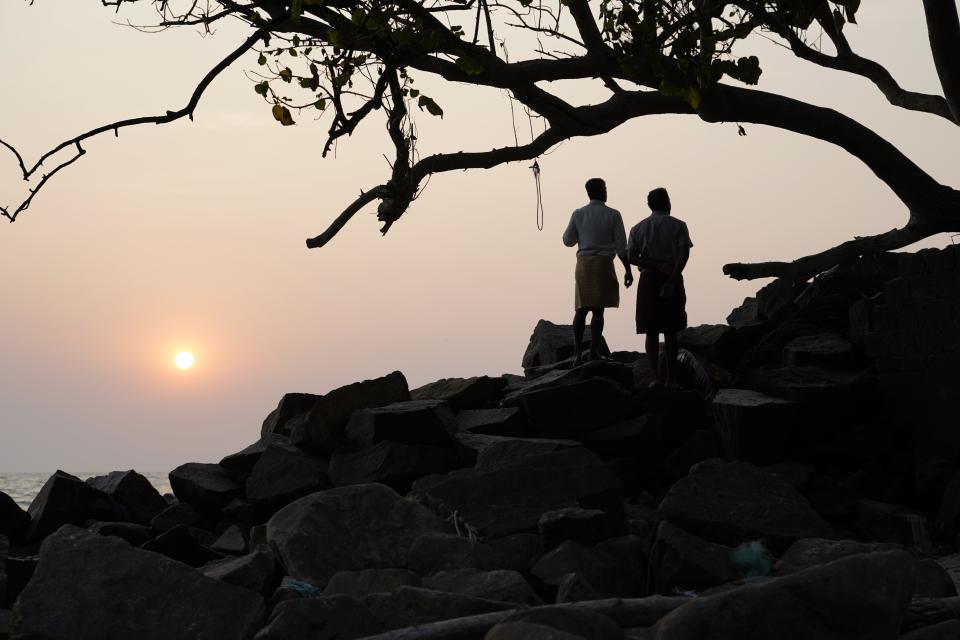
(378, 192)
(943, 27)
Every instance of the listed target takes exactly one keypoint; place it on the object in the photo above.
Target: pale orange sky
(190, 236)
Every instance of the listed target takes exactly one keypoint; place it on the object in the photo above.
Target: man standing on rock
(660, 245)
(598, 232)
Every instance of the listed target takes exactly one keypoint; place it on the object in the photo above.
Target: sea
(24, 487)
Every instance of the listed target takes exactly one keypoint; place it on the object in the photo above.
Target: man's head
(597, 189)
(659, 200)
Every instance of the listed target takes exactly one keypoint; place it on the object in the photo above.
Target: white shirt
(597, 230)
(660, 237)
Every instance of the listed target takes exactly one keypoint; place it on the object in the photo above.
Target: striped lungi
(596, 283)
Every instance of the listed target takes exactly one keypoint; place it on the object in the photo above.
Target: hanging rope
(536, 179)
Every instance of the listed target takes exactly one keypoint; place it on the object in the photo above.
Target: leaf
(282, 115)
(286, 75)
(262, 60)
(432, 107)
(414, 93)
(277, 112)
(320, 104)
(261, 87)
(470, 66)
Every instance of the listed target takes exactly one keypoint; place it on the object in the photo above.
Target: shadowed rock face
(90, 587)
(133, 492)
(66, 499)
(861, 597)
(13, 519)
(329, 618)
(347, 529)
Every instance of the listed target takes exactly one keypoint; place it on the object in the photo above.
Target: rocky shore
(804, 483)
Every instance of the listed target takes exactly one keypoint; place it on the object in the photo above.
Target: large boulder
(319, 422)
(206, 487)
(505, 421)
(66, 499)
(607, 573)
(391, 463)
(329, 618)
(256, 571)
(347, 529)
(861, 597)
(462, 393)
(133, 493)
(824, 392)
(357, 584)
(179, 513)
(184, 544)
(753, 426)
(821, 349)
(502, 585)
(556, 623)
(4, 551)
(90, 587)
(434, 552)
(511, 499)
(425, 422)
(241, 463)
(284, 473)
(551, 343)
(409, 606)
(570, 410)
(735, 502)
(718, 342)
(810, 552)
(681, 561)
(489, 452)
(13, 519)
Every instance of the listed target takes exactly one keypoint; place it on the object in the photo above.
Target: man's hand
(628, 279)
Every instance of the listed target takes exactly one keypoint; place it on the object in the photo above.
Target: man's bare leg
(653, 355)
(596, 332)
(670, 340)
(579, 327)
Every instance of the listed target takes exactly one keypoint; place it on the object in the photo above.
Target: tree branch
(943, 27)
(380, 191)
(170, 116)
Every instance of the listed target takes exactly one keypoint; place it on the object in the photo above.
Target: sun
(183, 360)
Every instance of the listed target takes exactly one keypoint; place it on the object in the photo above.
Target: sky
(190, 236)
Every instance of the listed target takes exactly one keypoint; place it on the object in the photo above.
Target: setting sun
(183, 360)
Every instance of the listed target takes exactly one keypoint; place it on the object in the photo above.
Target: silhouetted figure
(598, 232)
(660, 246)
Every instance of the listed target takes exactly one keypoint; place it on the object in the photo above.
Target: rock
(184, 545)
(821, 349)
(641, 435)
(176, 514)
(734, 502)
(861, 597)
(747, 314)
(462, 393)
(603, 571)
(19, 571)
(575, 588)
(363, 526)
(586, 526)
(425, 422)
(827, 392)
(718, 342)
(518, 551)
(66, 499)
(932, 581)
(527, 631)
(4, 552)
(506, 421)
(133, 492)
(776, 299)
(894, 523)
(949, 630)
(511, 499)
(292, 411)
(569, 410)
(327, 618)
(433, 552)
(493, 452)
(500, 586)
(578, 623)
(409, 606)
(322, 428)
(6, 619)
(205, 487)
(241, 463)
(92, 587)
(256, 571)
(551, 343)
(135, 534)
(391, 463)
(681, 561)
(283, 474)
(13, 520)
(754, 427)
(231, 542)
(701, 446)
(357, 584)
(811, 552)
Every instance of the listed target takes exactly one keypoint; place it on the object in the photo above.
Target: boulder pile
(801, 483)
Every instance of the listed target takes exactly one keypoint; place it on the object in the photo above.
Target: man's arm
(620, 241)
(679, 265)
(570, 236)
(644, 263)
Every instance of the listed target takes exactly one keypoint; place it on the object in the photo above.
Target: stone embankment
(804, 483)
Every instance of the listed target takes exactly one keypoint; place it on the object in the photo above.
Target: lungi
(656, 314)
(597, 286)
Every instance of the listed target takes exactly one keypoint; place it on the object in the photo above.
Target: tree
(355, 58)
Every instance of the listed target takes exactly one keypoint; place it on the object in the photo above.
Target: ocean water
(23, 487)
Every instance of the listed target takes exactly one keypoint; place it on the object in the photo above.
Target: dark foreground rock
(862, 597)
(66, 499)
(551, 343)
(133, 493)
(347, 529)
(13, 519)
(205, 487)
(462, 393)
(93, 587)
(556, 623)
(327, 618)
(409, 606)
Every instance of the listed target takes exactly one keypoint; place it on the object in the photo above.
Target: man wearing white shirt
(598, 232)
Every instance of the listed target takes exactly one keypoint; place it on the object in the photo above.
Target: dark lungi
(596, 283)
(656, 314)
